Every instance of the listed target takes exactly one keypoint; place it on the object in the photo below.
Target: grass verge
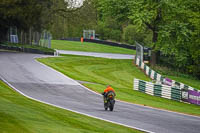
(19, 114)
(89, 47)
(178, 76)
(117, 73)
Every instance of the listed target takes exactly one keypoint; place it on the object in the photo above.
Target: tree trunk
(30, 36)
(25, 38)
(153, 58)
(154, 54)
(155, 37)
(21, 37)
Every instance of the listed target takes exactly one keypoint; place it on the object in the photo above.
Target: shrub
(131, 34)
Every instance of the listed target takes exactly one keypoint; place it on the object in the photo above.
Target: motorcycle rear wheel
(111, 105)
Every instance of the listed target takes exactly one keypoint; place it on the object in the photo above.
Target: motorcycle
(109, 102)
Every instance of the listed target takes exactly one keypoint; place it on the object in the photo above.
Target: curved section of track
(102, 55)
(45, 84)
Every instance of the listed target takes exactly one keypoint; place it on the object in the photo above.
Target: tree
(73, 22)
(28, 15)
(24, 15)
(180, 37)
(174, 25)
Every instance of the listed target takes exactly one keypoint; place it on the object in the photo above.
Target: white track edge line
(145, 106)
(117, 100)
(120, 100)
(72, 110)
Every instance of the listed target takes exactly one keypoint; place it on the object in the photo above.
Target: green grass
(88, 47)
(117, 73)
(191, 82)
(178, 76)
(19, 114)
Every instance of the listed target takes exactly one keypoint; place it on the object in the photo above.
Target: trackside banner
(191, 96)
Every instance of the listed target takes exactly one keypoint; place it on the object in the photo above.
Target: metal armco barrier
(187, 93)
(111, 43)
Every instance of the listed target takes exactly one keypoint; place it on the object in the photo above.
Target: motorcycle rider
(108, 91)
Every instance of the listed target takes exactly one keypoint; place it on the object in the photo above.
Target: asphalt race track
(103, 55)
(45, 84)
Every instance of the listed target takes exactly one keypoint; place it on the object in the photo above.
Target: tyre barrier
(159, 90)
(188, 93)
(158, 77)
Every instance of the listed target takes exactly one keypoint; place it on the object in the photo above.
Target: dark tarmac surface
(102, 55)
(45, 84)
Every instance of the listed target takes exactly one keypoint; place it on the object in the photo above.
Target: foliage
(72, 24)
(32, 14)
(24, 14)
(171, 27)
(179, 38)
(174, 26)
(130, 35)
(109, 29)
(112, 18)
(119, 10)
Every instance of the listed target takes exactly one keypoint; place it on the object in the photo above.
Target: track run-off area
(39, 82)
